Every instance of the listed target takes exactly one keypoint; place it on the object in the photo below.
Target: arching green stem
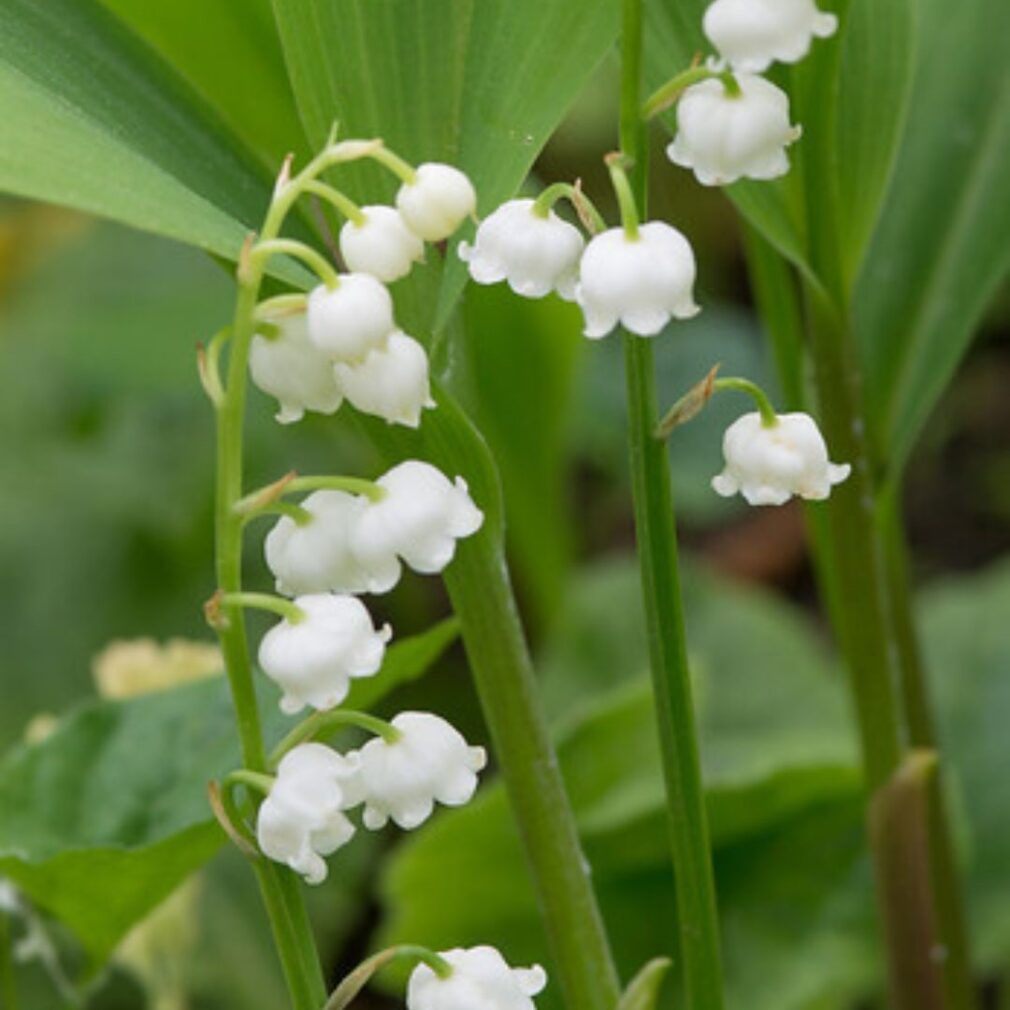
(321, 723)
(578, 199)
(318, 263)
(769, 419)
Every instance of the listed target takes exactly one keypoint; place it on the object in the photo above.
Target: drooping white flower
(724, 137)
(481, 979)
(347, 321)
(535, 253)
(437, 202)
(402, 780)
(390, 382)
(750, 34)
(639, 282)
(768, 465)
(381, 245)
(316, 557)
(419, 519)
(288, 366)
(302, 819)
(314, 659)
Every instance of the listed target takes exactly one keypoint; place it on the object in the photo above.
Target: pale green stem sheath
(699, 943)
(665, 95)
(322, 723)
(318, 263)
(343, 204)
(325, 482)
(290, 611)
(403, 170)
(769, 419)
(625, 197)
(578, 199)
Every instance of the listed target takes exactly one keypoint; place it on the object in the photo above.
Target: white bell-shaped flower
(302, 819)
(314, 659)
(402, 780)
(481, 979)
(750, 34)
(347, 321)
(288, 366)
(381, 245)
(437, 202)
(724, 137)
(638, 282)
(391, 382)
(535, 253)
(419, 519)
(315, 557)
(768, 465)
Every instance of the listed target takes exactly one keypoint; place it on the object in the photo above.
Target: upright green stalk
(281, 896)
(657, 550)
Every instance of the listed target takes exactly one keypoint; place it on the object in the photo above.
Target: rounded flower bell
(480, 979)
(419, 519)
(315, 557)
(391, 382)
(314, 659)
(437, 201)
(770, 464)
(289, 367)
(639, 282)
(723, 136)
(347, 321)
(535, 252)
(751, 34)
(380, 245)
(428, 762)
(302, 819)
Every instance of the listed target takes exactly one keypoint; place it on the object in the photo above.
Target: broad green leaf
(523, 358)
(234, 61)
(94, 119)
(480, 83)
(941, 249)
(100, 821)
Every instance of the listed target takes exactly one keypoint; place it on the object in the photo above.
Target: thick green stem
(481, 596)
(700, 953)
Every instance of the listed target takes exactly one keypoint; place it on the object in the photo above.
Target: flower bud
(347, 321)
(768, 465)
(314, 659)
(391, 382)
(480, 980)
(639, 282)
(290, 368)
(419, 519)
(302, 819)
(401, 780)
(725, 137)
(382, 245)
(535, 254)
(316, 557)
(437, 202)
(750, 34)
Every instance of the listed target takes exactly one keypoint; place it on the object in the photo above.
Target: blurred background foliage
(107, 457)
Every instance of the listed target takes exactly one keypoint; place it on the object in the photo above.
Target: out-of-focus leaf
(796, 898)
(774, 741)
(95, 120)
(100, 821)
(941, 248)
(523, 355)
(643, 990)
(479, 83)
(234, 60)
